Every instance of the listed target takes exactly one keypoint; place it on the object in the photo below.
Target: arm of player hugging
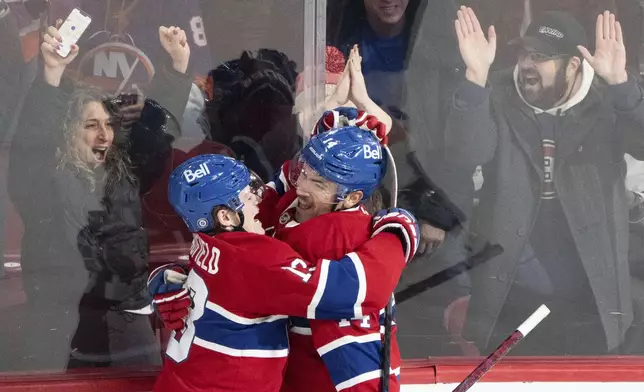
(359, 283)
(272, 195)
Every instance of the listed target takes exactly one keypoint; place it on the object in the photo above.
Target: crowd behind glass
(518, 158)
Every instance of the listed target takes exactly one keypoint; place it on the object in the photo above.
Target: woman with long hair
(78, 166)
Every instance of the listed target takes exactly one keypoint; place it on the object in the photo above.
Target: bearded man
(552, 137)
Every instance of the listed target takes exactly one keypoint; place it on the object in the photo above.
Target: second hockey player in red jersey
(234, 338)
(334, 174)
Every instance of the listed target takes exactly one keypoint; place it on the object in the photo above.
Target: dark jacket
(11, 64)
(496, 128)
(77, 241)
(436, 191)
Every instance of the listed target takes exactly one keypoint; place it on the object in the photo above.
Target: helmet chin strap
(240, 226)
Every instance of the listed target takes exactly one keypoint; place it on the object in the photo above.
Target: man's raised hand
(609, 61)
(478, 52)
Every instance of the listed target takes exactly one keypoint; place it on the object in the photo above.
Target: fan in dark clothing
(75, 177)
(251, 109)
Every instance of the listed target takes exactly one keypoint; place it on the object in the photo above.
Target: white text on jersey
(204, 256)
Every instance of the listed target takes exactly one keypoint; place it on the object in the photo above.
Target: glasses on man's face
(538, 57)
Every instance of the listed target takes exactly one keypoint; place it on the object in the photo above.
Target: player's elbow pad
(341, 291)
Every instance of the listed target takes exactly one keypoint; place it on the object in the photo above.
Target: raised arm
(39, 131)
(471, 133)
(160, 122)
(171, 85)
(609, 63)
(11, 63)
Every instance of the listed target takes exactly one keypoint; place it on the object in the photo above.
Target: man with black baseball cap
(553, 36)
(551, 136)
(554, 33)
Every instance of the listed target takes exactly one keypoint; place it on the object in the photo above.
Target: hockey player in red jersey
(321, 192)
(239, 281)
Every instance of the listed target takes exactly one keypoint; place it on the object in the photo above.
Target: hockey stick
(386, 342)
(488, 253)
(386, 347)
(505, 347)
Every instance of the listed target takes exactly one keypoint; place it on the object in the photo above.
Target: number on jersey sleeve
(181, 342)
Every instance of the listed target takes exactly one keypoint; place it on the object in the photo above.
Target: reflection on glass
(78, 162)
(510, 147)
(509, 166)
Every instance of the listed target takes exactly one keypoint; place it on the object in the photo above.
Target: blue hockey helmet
(350, 156)
(204, 182)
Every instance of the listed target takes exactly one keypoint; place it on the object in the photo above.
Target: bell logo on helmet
(317, 155)
(372, 153)
(191, 175)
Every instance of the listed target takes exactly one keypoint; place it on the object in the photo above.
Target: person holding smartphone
(75, 178)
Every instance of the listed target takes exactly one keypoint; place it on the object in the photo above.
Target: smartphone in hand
(72, 29)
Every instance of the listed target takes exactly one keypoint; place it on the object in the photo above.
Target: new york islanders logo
(115, 67)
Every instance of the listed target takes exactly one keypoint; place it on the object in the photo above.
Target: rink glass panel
(62, 306)
(496, 263)
(42, 312)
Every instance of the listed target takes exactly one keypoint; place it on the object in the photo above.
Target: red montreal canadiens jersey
(242, 284)
(329, 355)
(120, 50)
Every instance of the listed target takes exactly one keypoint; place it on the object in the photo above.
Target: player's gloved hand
(348, 116)
(402, 223)
(172, 302)
(283, 180)
(378, 128)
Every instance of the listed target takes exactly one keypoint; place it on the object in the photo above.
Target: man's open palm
(478, 51)
(609, 61)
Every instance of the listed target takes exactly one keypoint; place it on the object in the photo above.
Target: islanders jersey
(242, 285)
(335, 355)
(120, 50)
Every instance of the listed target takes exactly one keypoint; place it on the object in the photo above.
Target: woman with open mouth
(79, 162)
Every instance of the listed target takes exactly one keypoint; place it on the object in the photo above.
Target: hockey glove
(348, 116)
(284, 179)
(171, 298)
(402, 223)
